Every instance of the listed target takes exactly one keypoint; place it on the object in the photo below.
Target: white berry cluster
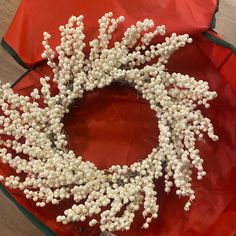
(34, 143)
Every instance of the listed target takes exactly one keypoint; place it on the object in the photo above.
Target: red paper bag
(115, 126)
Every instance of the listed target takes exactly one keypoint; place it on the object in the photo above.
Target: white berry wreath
(54, 173)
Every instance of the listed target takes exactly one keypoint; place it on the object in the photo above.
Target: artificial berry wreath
(53, 173)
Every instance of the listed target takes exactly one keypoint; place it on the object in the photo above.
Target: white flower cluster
(48, 172)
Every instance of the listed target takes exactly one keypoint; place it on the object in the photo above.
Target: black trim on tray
(220, 41)
(21, 77)
(214, 38)
(213, 21)
(12, 52)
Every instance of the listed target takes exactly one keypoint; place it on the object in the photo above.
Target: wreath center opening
(111, 126)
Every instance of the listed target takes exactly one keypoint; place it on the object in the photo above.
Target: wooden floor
(12, 222)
